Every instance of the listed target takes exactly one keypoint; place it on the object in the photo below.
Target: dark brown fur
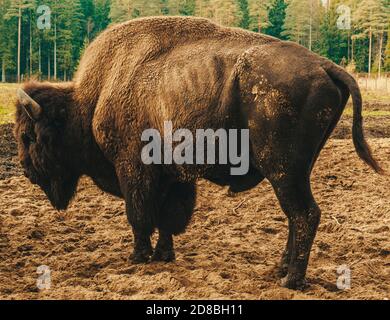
(197, 74)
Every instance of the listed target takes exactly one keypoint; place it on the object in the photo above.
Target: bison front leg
(139, 213)
(142, 247)
(297, 202)
(164, 251)
(138, 185)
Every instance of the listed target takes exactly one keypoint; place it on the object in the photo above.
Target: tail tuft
(362, 148)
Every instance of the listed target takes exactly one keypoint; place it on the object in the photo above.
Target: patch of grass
(368, 113)
(8, 94)
(7, 102)
(375, 104)
(376, 96)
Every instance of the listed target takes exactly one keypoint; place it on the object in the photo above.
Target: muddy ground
(230, 250)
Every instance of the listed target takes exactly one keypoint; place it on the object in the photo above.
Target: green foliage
(303, 20)
(101, 15)
(371, 16)
(75, 23)
(361, 54)
(7, 36)
(371, 19)
(258, 14)
(276, 18)
(187, 7)
(70, 28)
(333, 42)
(244, 13)
(387, 56)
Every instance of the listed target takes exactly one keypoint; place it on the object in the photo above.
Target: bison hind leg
(175, 214)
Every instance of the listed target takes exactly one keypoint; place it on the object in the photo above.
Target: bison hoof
(232, 194)
(141, 257)
(282, 270)
(293, 283)
(163, 256)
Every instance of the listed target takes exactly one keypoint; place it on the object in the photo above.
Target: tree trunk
(380, 54)
(39, 58)
(349, 47)
(89, 30)
(55, 50)
(19, 39)
(48, 66)
(30, 48)
(3, 70)
(370, 52)
(311, 25)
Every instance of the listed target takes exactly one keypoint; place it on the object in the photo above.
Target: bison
(197, 74)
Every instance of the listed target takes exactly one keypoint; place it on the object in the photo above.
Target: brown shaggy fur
(138, 74)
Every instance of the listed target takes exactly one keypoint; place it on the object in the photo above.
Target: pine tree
(121, 10)
(16, 9)
(244, 14)
(7, 34)
(27, 50)
(372, 19)
(333, 41)
(297, 20)
(258, 11)
(70, 35)
(302, 17)
(101, 17)
(205, 8)
(276, 18)
(45, 45)
(387, 54)
(225, 12)
(228, 13)
(88, 10)
(187, 7)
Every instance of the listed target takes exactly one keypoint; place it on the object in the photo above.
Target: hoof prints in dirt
(8, 153)
(229, 251)
(374, 127)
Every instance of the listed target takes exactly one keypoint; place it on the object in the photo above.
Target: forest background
(45, 38)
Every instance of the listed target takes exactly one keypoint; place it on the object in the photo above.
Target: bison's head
(41, 132)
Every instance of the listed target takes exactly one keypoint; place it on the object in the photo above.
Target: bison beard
(60, 191)
(198, 75)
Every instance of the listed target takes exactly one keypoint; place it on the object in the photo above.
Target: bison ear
(30, 106)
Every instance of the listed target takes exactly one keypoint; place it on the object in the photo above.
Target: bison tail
(361, 145)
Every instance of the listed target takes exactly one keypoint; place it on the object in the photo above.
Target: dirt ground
(230, 250)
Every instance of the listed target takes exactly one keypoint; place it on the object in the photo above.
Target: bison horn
(32, 108)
